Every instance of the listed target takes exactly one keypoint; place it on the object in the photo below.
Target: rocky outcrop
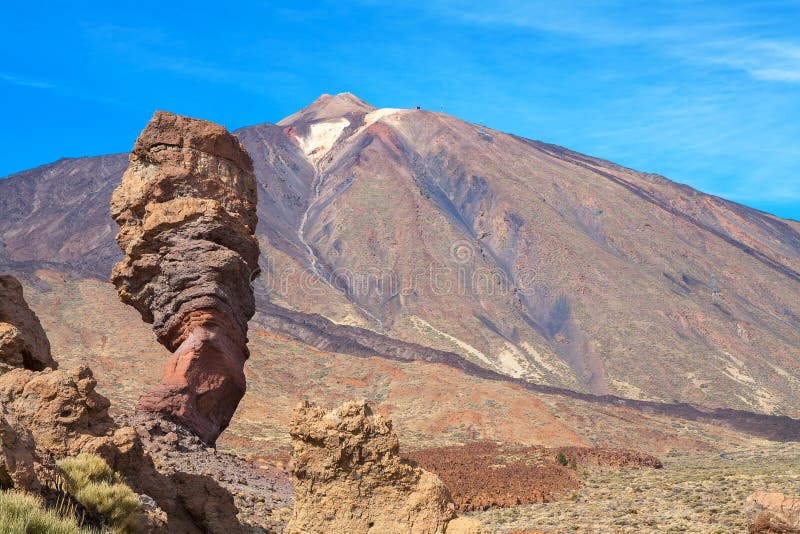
(23, 342)
(186, 209)
(773, 513)
(51, 415)
(348, 477)
(16, 457)
(470, 201)
(55, 414)
(466, 525)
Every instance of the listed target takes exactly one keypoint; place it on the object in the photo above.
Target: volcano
(400, 240)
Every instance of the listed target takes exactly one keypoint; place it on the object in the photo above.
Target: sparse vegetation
(561, 459)
(22, 513)
(84, 469)
(700, 493)
(90, 480)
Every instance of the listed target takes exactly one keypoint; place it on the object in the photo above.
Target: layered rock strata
(186, 210)
(348, 477)
(23, 342)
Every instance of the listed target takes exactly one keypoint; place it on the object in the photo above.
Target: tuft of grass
(90, 480)
(22, 513)
(85, 469)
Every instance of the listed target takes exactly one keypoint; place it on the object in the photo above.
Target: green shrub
(22, 513)
(560, 458)
(90, 480)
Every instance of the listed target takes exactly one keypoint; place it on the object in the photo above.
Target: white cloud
(25, 82)
(765, 60)
(699, 33)
(777, 75)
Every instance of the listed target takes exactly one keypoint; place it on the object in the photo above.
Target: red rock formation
(23, 342)
(186, 211)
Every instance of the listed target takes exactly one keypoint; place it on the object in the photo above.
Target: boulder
(50, 415)
(186, 210)
(466, 525)
(63, 415)
(16, 457)
(348, 477)
(773, 513)
(23, 342)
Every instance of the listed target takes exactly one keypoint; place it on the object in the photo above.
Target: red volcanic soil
(484, 475)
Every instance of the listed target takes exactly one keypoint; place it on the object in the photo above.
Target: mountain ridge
(396, 192)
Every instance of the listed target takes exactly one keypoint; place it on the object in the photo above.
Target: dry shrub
(90, 480)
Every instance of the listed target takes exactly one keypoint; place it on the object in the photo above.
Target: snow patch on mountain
(321, 138)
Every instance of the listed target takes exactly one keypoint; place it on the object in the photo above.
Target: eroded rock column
(186, 208)
(348, 477)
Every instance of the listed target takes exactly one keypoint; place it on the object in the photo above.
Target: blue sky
(705, 93)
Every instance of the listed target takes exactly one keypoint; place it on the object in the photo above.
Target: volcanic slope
(407, 232)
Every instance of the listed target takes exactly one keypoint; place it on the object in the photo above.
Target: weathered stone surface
(50, 415)
(466, 525)
(773, 513)
(259, 492)
(204, 378)
(61, 413)
(348, 477)
(16, 457)
(23, 342)
(12, 346)
(186, 211)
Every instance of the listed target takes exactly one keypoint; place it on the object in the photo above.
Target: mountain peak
(328, 107)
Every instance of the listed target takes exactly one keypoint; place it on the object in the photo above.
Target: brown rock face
(773, 513)
(348, 477)
(16, 458)
(51, 415)
(186, 209)
(23, 342)
(62, 415)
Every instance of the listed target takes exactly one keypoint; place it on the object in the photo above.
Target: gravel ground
(262, 492)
